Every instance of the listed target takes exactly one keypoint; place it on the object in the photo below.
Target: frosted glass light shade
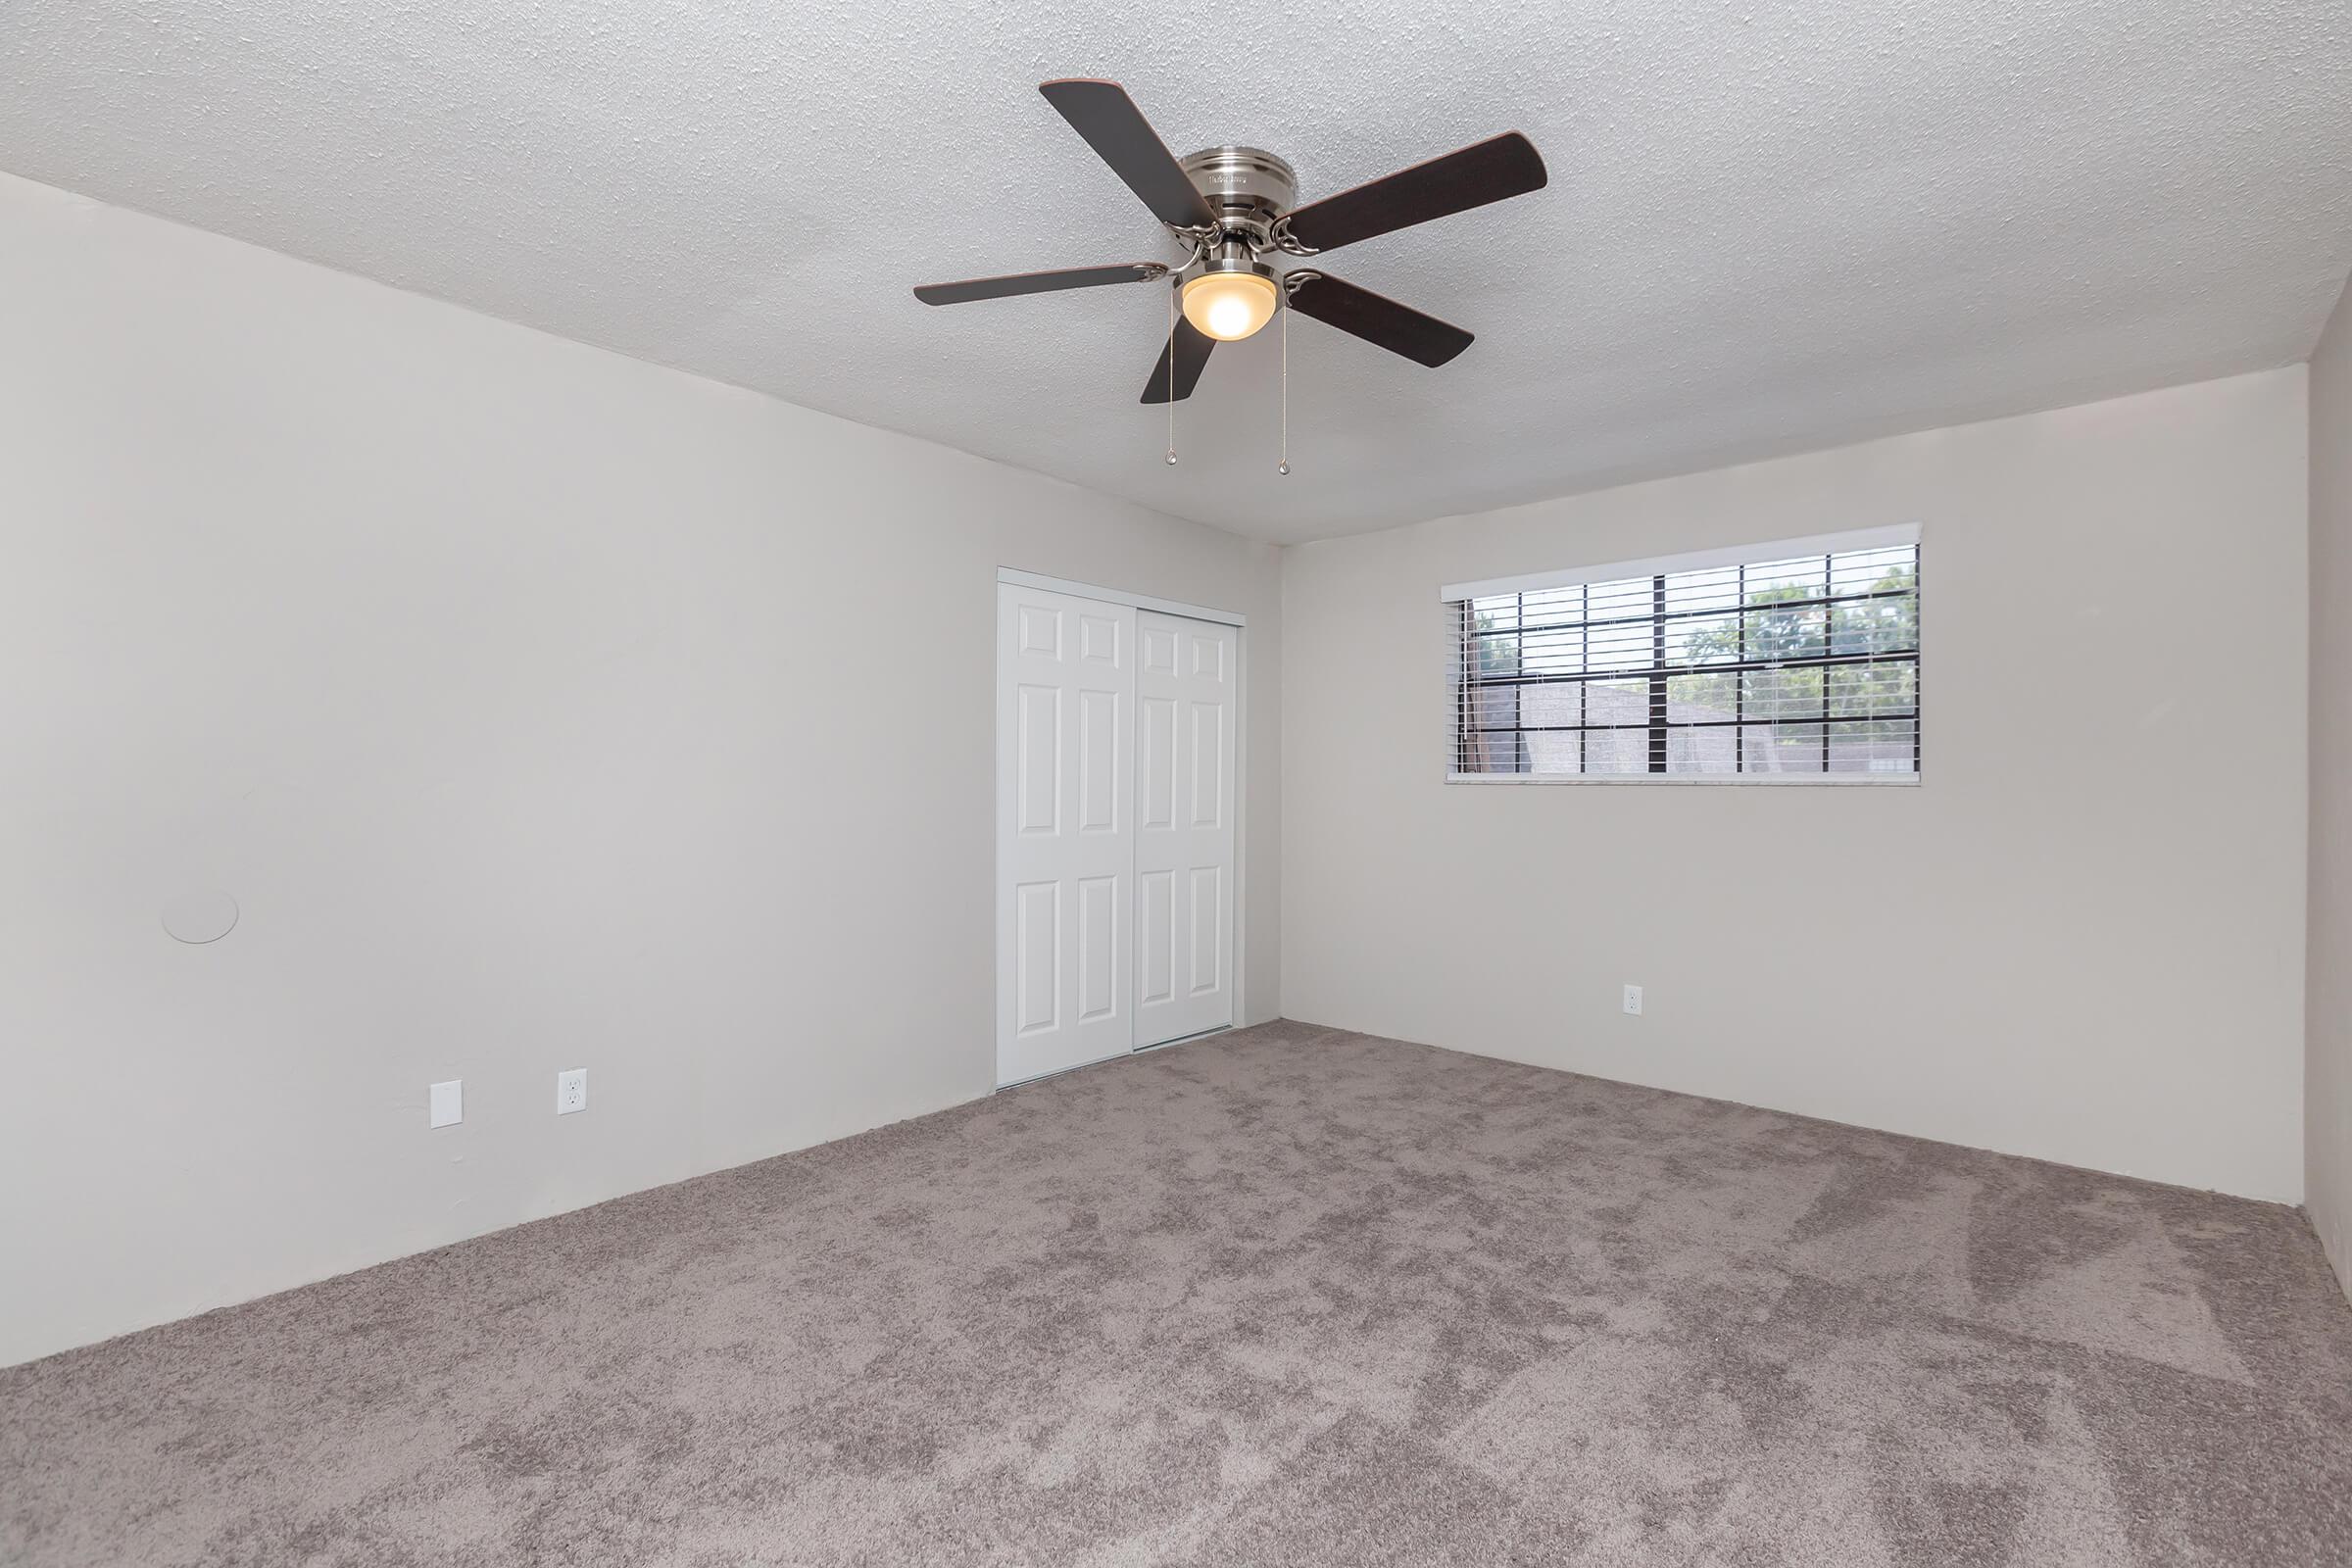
(1229, 305)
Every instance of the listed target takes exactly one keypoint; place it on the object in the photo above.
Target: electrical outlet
(571, 1091)
(1633, 1000)
(448, 1103)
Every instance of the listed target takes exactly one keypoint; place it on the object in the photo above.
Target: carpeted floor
(1286, 1296)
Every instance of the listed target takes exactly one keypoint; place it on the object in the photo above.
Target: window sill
(1876, 781)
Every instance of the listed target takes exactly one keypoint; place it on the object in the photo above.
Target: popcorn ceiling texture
(1770, 226)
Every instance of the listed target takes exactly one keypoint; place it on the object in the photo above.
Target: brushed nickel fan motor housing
(1248, 187)
(1232, 256)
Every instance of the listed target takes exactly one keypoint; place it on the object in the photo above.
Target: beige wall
(2327, 1068)
(2079, 938)
(541, 708)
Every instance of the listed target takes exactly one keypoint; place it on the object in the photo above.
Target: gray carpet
(1288, 1296)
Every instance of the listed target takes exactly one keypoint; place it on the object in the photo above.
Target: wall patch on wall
(202, 916)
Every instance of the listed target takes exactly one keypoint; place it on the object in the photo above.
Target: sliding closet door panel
(1184, 844)
(1066, 831)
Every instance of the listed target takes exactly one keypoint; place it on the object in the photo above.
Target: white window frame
(1763, 551)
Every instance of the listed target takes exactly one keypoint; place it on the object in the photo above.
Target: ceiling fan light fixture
(1230, 303)
(1229, 205)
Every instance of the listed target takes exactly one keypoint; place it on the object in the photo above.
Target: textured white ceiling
(1771, 225)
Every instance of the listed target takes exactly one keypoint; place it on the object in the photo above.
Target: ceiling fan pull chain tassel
(1171, 374)
(1286, 389)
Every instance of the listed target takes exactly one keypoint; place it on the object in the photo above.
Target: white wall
(541, 708)
(2327, 1066)
(2079, 938)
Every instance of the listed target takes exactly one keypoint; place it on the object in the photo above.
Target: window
(1779, 661)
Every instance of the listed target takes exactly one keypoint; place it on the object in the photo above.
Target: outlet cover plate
(1633, 999)
(571, 1091)
(447, 1102)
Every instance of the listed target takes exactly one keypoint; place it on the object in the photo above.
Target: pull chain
(1171, 372)
(1286, 386)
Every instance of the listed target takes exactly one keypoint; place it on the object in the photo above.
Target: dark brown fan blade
(1377, 319)
(1484, 171)
(994, 288)
(1120, 135)
(1190, 345)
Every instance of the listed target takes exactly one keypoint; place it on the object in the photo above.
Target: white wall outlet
(1633, 999)
(448, 1103)
(571, 1091)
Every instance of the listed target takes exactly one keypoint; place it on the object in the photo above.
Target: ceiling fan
(1233, 210)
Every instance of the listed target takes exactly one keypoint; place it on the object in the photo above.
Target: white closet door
(1184, 683)
(1066, 831)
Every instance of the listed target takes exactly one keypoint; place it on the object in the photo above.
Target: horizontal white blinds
(1803, 658)
(1902, 533)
